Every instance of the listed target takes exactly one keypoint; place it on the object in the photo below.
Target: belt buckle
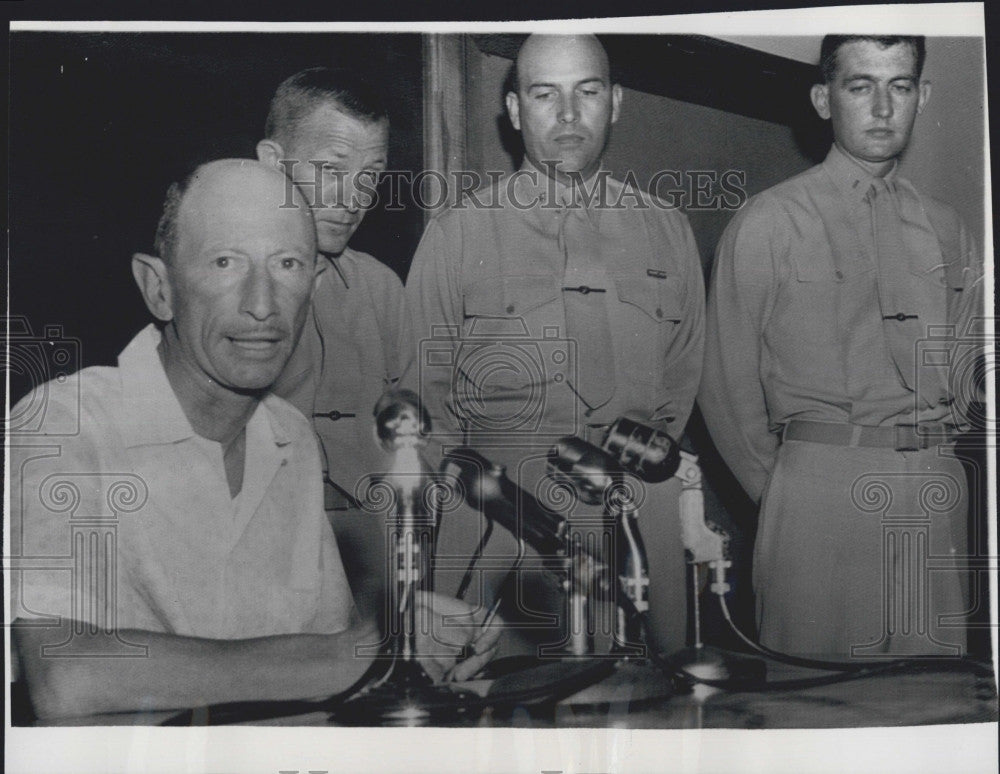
(908, 439)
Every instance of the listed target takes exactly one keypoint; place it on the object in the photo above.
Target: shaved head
(539, 48)
(564, 103)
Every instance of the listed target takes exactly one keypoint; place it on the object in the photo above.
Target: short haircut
(832, 44)
(165, 242)
(300, 94)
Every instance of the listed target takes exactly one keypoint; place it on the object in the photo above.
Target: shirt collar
(335, 269)
(533, 185)
(152, 415)
(850, 177)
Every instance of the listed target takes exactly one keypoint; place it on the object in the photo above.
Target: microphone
(597, 478)
(402, 425)
(649, 454)
(401, 420)
(487, 489)
(590, 471)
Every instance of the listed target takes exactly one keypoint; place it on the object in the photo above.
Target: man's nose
(347, 193)
(882, 104)
(569, 109)
(258, 293)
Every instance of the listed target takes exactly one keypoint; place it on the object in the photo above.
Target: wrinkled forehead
(329, 124)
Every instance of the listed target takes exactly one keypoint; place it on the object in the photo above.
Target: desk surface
(934, 695)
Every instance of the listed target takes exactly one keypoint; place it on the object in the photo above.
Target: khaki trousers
(856, 552)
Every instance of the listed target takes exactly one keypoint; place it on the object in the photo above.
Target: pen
(470, 650)
(491, 613)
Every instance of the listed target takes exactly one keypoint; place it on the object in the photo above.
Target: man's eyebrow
(332, 155)
(546, 85)
(867, 77)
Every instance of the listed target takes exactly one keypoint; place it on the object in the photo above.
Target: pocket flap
(658, 298)
(509, 296)
(814, 262)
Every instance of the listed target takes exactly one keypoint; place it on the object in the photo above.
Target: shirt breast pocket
(510, 323)
(509, 297)
(644, 324)
(815, 263)
(825, 293)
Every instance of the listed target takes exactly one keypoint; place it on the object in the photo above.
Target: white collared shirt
(133, 514)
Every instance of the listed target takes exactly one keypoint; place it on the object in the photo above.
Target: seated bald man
(188, 559)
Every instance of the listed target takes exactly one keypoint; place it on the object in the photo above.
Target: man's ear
(616, 102)
(820, 96)
(925, 94)
(514, 109)
(150, 275)
(270, 152)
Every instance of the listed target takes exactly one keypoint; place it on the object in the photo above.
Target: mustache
(258, 334)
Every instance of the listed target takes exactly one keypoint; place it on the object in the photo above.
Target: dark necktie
(585, 303)
(900, 322)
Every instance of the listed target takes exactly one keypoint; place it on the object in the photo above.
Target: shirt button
(659, 312)
(839, 274)
(510, 309)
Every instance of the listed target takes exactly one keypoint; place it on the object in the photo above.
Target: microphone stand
(704, 546)
(633, 581)
(596, 476)
(405, 695)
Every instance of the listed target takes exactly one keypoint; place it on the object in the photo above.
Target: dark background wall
(102, 123)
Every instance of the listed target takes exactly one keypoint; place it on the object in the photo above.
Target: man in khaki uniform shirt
(826, 290)
(329, 131)
(542, 317)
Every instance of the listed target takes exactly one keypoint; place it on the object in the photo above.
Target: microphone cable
(842, 672)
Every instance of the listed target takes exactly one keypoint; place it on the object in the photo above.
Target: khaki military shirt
(486, 293)
(794, 328)
(354, 345)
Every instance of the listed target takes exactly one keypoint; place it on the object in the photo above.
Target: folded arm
(181, 671)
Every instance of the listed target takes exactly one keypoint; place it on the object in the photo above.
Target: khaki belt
(923, 435)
